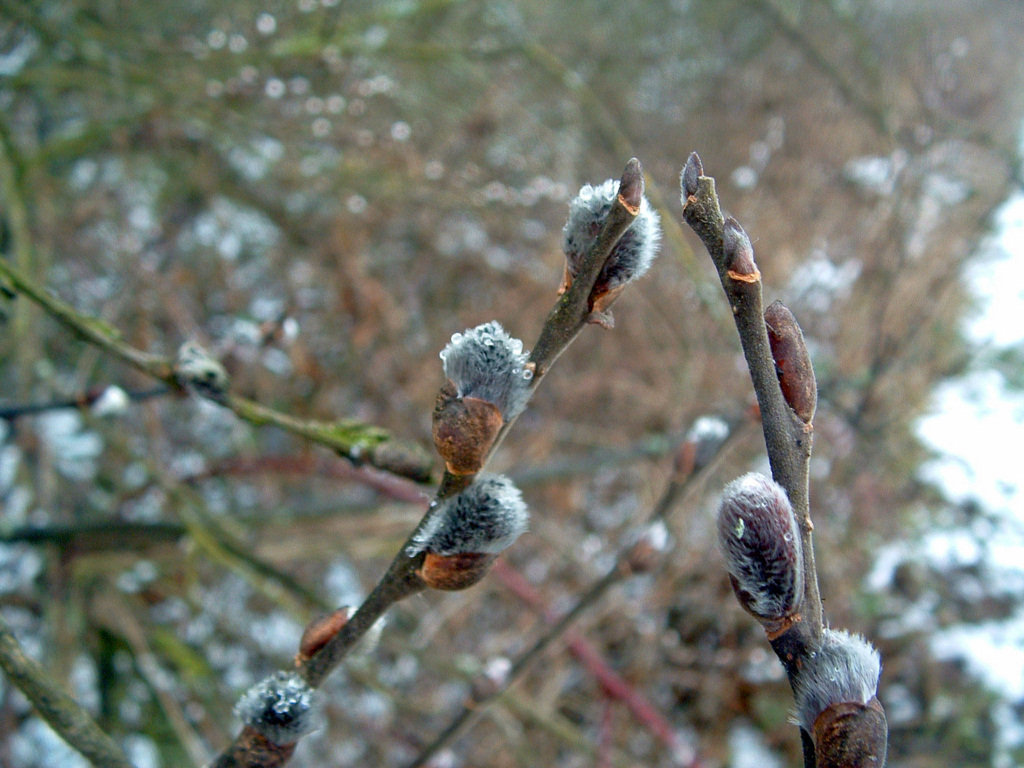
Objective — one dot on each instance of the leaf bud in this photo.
(758, 535)
(690, 176)
(320, 631)
(792, 361)
(635, 251)
(468, 531)
(197, 371)
(738, 252)
(836, 702)
(281, 707)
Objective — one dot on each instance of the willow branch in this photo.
(834, 675)
(402, 579)
(788, 438)
(566, 319)
(71, 722)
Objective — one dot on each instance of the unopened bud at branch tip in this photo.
(631, 186)
(690, 176)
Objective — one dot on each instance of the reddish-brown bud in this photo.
(253, 748)
(851, 735)
(454, 572)
(792, 361)
(319, 632)
(464, 429)
(739, 253)
(758, 535)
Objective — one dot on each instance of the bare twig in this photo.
(83, 400)
(612, 683)
(54, 705)
(117, 617)
(548, 719)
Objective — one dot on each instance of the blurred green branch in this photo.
(356, 441)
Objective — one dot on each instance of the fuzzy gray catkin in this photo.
(485, 518)
(199, 372)
(636, 249)
(485, 362)
(758, 535)
(845, 668)
(281, 707)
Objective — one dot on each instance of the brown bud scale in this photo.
(464, 430)
(601, 300)
(454, 572)
(744, 277)
(851, 735)
(792, 361)
(253, 748)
